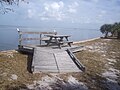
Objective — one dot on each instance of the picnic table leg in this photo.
(66, 38)
(69, 44)
(59, 45)
(61, 39)
(49, 41)
(58, 42)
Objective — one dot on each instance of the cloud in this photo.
(88, 21)
(102, 14)
(74, 11)
(95, 1)
(73, 7)
(31, 13)
(52, 10)
(44, 18)
(59, 10)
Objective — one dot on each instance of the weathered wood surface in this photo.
(65, 63)
(76, 61)
(31, 39)
(29, 32)
(52, 60)
(73, 48)
(40, 37)
(43, 61)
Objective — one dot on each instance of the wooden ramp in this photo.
(53, 60)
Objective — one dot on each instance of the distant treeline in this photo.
(111, 30)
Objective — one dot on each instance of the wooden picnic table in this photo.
(58, 40)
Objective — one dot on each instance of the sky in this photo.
(63, 13)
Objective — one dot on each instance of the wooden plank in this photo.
(49, 50)
(43, 39)
(38, 69)
(30, 39)
(29, 32)
(77, 62)
(37, 32)
(45, 67)
(65, 63)
(49, 60)
(44, 61)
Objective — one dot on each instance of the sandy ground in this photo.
(101, 57)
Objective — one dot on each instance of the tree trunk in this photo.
(118, 35)
(106, 34)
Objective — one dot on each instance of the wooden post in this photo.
(40, 38)
(20, 37)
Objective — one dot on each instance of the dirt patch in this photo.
(100, 58)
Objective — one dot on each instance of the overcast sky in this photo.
(63, 13)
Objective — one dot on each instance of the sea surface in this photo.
(9, 35)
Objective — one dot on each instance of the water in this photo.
(9, 35)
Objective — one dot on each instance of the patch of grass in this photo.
(15, 63)
(95, 63)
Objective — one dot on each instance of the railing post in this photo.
(55, 32)
(40, 38)
(20, 37)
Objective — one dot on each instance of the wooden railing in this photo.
(40, 38)
(76, 61)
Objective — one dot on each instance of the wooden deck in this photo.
(53, 60)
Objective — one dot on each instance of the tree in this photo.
(114, 29)
(105, 29)
(3, 3)
(10, 2)
(118, 30)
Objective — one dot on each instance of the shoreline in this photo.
(87, 40)
(76, 42)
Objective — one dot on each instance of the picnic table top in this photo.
(49, 35)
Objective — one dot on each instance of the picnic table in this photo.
(58, 40)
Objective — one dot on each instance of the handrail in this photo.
(38, 32)
(76, 61)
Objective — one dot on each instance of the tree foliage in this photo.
(114, 29)
(10, 2)
(105, 29)
(5, 3)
